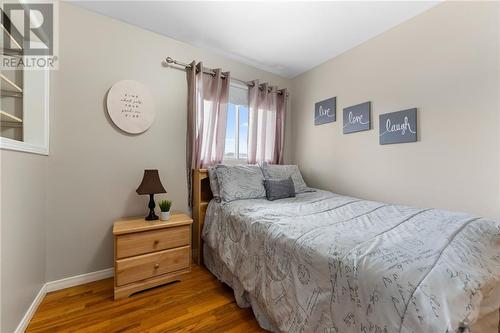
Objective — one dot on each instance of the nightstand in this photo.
(150, 253)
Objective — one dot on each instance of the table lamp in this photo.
(151, 185)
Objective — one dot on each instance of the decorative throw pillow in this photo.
(240, 182)
(275, 171)
(279, 188)
(214, 183)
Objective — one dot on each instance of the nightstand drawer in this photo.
(149, 265)
(150, 241)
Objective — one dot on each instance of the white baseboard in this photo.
(79, 279)
(58, 285)
(31, 311)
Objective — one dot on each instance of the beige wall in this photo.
(94, 168)
(445, 62)
(23, 199)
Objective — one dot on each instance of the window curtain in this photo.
(206, 119)
(266, 123)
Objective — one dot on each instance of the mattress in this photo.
(322, 262)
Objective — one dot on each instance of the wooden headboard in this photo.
(202, 194)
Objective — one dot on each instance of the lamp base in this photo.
(152, 216)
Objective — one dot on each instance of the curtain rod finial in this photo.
(169, 60)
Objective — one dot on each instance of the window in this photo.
(237, 124)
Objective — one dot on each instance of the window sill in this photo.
(234, 161)
(9, 144)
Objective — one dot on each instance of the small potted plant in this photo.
(165, 209)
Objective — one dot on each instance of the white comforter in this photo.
(322, 262)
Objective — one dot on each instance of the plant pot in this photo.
(164, 216)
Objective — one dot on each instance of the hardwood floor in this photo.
(197, 304)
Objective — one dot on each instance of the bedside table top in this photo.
(136, 224)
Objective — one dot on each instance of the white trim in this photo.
(31, 310)
(43, 147)
(79, 279)
(237, 131)
(9, 144)
(237, 84)
(58, 285)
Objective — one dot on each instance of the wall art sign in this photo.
(325, 111)
(357, 118)
(398, 127)
(130, 106)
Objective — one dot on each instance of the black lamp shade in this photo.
(151, 183)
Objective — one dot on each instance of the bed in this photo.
(323, 262)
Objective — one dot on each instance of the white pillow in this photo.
(240, 182)
(214, 183)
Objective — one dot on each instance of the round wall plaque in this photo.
(130, 106)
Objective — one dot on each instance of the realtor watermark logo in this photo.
(29, 35)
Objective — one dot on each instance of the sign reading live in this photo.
(398, 127)
(325, 111)
(130, 106)
(357, 118)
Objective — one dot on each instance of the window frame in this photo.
(236, 159)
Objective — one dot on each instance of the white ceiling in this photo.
(285, 38)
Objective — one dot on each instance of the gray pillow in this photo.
(274, 171)
(279, 188)
(214, 183)
(240, 182)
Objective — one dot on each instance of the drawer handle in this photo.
(157, 242)
(157, 266)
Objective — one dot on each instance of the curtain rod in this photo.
(170, 60)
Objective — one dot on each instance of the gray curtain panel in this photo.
(206, 119)
(266, 125)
